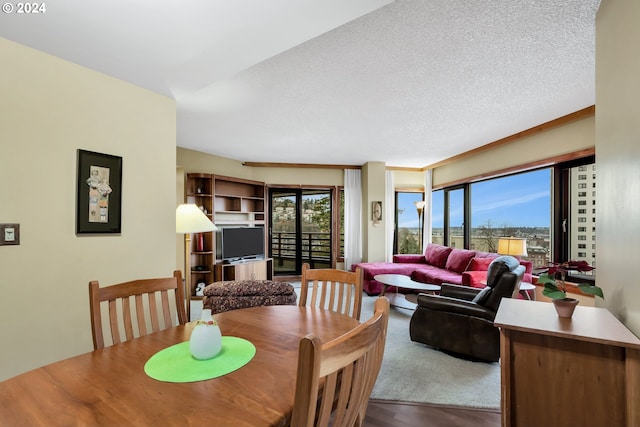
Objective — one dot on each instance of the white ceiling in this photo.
(405, 82)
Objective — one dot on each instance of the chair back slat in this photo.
(335, 379)
(127, 321)
(153, 310)
(127, 300)
(140, 320)
(166, 309)
(332, 289)
(113, 321)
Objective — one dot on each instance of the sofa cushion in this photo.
(459, 259)
(474, 279)
(409, 259)
(437, 255)
(436, 276)
(479, 264)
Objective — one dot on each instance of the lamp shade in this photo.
(420, 204)
(190, 219)
(513, 246)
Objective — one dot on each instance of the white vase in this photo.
(206, 339)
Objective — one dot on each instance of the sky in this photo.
(522, 200)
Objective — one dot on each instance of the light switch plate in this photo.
(9, 234)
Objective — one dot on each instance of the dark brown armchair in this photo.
(460, 319)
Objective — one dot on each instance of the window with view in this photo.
(513, 206)
(408, 225)
(524, 205)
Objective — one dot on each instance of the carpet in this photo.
(414, 372)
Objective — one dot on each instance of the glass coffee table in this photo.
(401, 281)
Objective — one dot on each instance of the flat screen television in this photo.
(240, 243)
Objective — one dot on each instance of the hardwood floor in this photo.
(383, 413)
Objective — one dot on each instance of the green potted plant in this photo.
(555, 286)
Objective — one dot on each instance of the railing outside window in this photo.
(316, 248)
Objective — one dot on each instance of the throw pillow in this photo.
(482, 296)
(436, 255)
(459, 260)
(500, 265)
(480, 264)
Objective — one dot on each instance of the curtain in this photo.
(352, 217)
(390, 213)
(428, 214)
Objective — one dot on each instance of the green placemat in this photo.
(176, 365)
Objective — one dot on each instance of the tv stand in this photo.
(243, 260)
(245, 269)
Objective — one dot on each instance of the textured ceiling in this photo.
(408, 83)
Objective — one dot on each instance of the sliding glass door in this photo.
(300, 230)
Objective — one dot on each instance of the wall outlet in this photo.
(9, 234)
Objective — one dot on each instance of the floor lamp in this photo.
(190, 219)
(420, 208)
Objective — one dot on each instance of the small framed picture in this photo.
(376, 211)
(99, 193)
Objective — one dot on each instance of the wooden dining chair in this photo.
(336, 290)
(131, 314)
(334, 380)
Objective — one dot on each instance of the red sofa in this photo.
(439, 264)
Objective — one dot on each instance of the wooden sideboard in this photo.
(583, 371)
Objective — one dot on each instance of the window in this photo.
(303, 228)
(437, 217)
(455, 235)
(571, 202)
(515, 205)
(408, 227)
(521, 204)
(449, 210)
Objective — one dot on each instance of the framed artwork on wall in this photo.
(99, 193)
(376, 211)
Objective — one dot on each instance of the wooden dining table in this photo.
(109, 387)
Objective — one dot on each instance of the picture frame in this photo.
(99, 193)
(376, 211)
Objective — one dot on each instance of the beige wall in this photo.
(373, 186)
(408, 180)
(564, 139)
(373, 189)
(617, 154)
(195, 161)
(49, 108)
